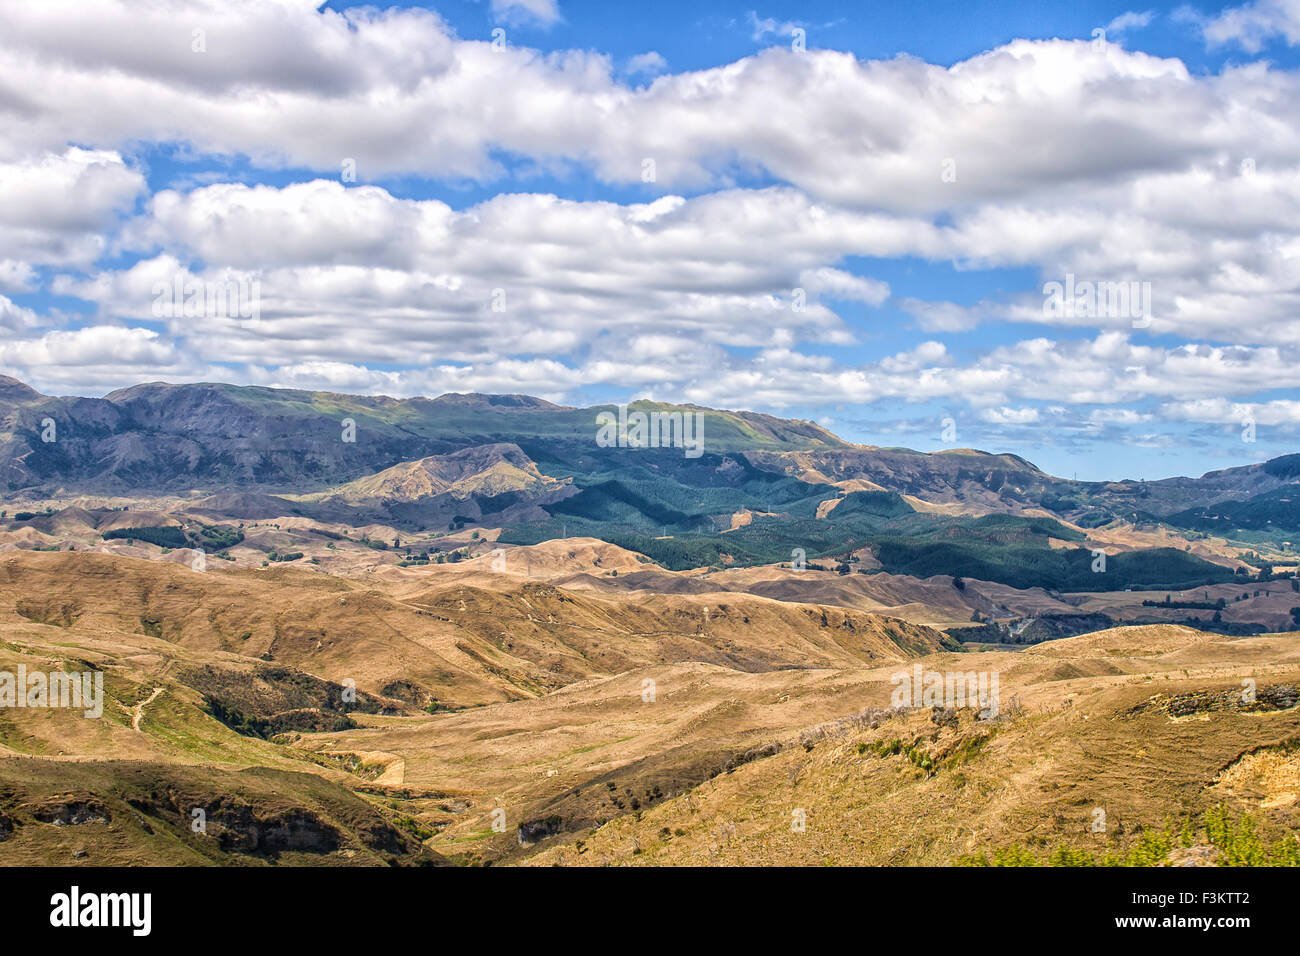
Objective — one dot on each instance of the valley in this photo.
(476, 636)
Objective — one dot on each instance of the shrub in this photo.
(169, 536)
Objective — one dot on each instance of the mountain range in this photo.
(762, 490)
(468, 629)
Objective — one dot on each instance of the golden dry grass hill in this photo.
(503, 716)
(233, 669)
(1119, 745)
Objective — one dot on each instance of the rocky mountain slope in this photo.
(159, 436)
(208, 436)
(760, 491)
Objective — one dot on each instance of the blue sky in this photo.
(693, 35)
(850, 215)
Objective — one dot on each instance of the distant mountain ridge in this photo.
(538, 470)
(208, 436)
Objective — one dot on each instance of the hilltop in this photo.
(1115, 743)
